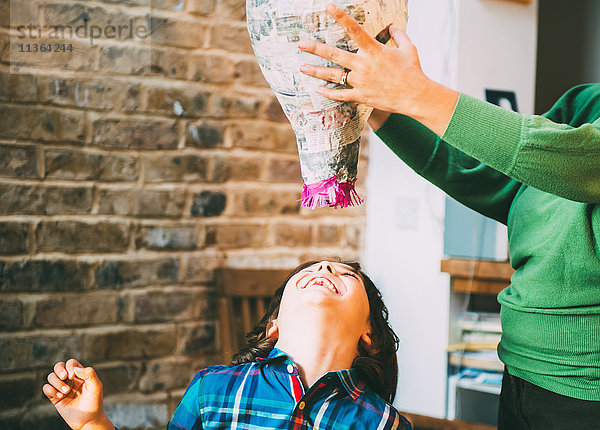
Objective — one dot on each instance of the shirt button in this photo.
(290, 368)
(301, 405)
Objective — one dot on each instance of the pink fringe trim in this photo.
(330, 192)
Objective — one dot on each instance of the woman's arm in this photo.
(461, 176)
(558, 158)
(76, 393)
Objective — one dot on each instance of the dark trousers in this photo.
(524, 406)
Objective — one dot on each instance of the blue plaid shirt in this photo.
(268, 394)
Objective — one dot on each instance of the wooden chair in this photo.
(243, 296)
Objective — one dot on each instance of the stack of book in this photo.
(474, 359)
(476, 352)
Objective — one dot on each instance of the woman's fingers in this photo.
(332, 74)
(58, 383)
(346, 95)
(353, 28)
(331, 53)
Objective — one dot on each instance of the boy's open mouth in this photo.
(323, 282)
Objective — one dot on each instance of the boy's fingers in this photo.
(71, 363)
(90, 377)
(57, 383)
(356, 32)
(52, 393)
(60, 370)
(87, 373)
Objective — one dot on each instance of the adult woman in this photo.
(540, 175)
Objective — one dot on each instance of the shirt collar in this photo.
(275, 353)
(348, 378)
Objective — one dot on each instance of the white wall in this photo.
(404, 240)
(497, 45)
(467, 45)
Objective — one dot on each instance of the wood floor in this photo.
(421, 422)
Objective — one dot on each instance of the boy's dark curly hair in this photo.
(379, 369)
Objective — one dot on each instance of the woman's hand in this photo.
(386, 78)
(76, 393)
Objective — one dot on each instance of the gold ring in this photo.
(344, 79)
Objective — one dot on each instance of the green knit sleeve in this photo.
(558, 158)
(461, 176)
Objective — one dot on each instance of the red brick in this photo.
(284, 170)
(12, 315)
(18, 161)
(236, 235)
(201, 7)
(119, 377)
(142, 202)
(126, 60)
(74, 165)
(38, 350)
(178, 237)
(263, 135)
(238, 168)
(23, 122)
(135, 134)
(136, 273)
(168, 63)
(18, 87)
(233, 38)
(292, 235)
(205, 134)
(176, 168)
(197, 338)
(163, 306)
(177, 102)
(77, 310)
(208, 204)
(181, 34)
(34, 199)
(234, 105)
(13, 238)
(167, 375)
(128, 343)
(247, 72)
(43, 275)
(329, 235)
(212, 68)
(235, 9)
(267, 202)
(98, 93)
(274, 112)
(74, 237)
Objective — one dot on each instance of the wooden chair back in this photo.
(243, 296)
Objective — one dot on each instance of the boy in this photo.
(323, 357)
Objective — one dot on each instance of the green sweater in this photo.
(539, 175)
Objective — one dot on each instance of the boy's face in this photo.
(326, 289)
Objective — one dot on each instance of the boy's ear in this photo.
(273, 330)
(366, 341)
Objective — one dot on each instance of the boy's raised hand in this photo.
(76, 393)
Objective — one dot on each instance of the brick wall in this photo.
(129, 171)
